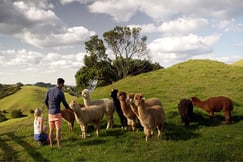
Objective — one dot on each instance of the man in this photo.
(53, 99)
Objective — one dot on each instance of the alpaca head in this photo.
(114, 93)
(121, 95)
(74, 105)
(139, 100)
(195, 100)
(85, 93)
(130, 98)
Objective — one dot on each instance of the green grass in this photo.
(238, 63)
(205, 140)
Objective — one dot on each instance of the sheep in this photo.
(216, 104)
(108, 106)
(151, 117)
(185, 108)
(126, 109)
(89, 114)
(123, 119)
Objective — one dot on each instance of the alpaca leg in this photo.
(227, 116)
(133, 125)
(146, 132)
(110, 121)
(82, 131)
(97, 127)
(211, 114)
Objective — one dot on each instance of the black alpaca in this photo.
(123, 119)
(185, 108)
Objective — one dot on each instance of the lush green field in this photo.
(205, 140)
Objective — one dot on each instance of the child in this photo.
(40, 134)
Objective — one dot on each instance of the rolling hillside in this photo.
(29, 97)
(238, 63)
(205, 140)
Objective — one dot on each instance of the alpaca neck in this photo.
(134, 109)
(123, 106)
(200, 104)
(142, 110)
(87, 101)
(78, 116)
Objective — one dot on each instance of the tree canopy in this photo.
(128, 56)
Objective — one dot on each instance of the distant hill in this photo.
(238, 63)
(27, 98)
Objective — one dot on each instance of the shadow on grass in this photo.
(216, 121)
(178, 132)
(9, 152)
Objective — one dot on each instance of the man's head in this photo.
(60, 82)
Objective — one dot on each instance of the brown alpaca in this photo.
(126, 109)
(216, 104)
(69, 117)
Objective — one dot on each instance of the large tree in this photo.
(126, 44)
(128, 57)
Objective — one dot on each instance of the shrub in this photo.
(32, 111)
(2, 117)
(16, 114)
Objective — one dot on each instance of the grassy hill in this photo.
(238, 63)
(206, 140)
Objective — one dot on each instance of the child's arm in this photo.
(42, 125)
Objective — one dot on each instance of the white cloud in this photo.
(44, 29)
(181, 47)
(123, 10)
(120, 10)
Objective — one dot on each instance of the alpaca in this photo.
(69, 117)
(126, 109)
(216, 104)
(151, 117)
(185, 108)
(85, 115)
(149, 102)
(108, 106)
(123, 119)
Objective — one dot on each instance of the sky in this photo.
(42, 40)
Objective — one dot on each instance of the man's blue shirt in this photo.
(53, 99)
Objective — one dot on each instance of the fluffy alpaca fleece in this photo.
(185, 108)
(69, 117)
(123, 119)
(126, 109)
(216, 104)
(151, 117)
(149, 102)
(109, 106)
(85, 115)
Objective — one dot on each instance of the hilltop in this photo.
(238, 63)
(27, 98)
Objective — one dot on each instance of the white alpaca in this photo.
(86, 115)
(107, 103)
(150, 117)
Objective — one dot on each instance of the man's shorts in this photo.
(55, 121)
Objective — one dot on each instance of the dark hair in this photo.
(60, 81)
